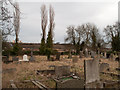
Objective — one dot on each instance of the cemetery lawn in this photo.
(20, 72)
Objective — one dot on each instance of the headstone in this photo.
(25, 58)
(15, 58)
(32, 57)
(93, 54)
(103, 67)
(111, 57)
(62, 71)
(71, 84)
(91, 68)
(86, 52)
(81, 54)
(58, 56)
(75, 59)
(105, 54)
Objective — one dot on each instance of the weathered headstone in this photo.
(32, 57)
(91, 68)
(72, 83)
(81, 54)
(62, 71)
(86, 52)
(58, 56)
(111, 57)
(103, 67)
(93, 54)
(104, 54)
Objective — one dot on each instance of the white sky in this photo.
(66, 13)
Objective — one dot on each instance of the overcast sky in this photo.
(66, 13)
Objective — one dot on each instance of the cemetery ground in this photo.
(22, 73)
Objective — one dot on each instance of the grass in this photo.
(26, 71)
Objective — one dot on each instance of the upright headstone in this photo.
(62, 71)
(86, 52)
(58, 56)
(81, 54)
(111, 57)
(91, 68)
(25, 58)
(105, 54)
(32, 57)
(93, 54)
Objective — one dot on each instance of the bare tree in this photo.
(17, 21)
(6, 20)
(71, 36)
(51, 27)
(112, 34)
(43, 21)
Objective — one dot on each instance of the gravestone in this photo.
(93, 54)
(81, 54)
(62, 71)
(25, 58)
(58, 56)
(15, 58)
(103, 67)
(91, 68)
(86, 52)
(32, 57)
(111, 57)
(75, 59)
(71, 84)
(105, 54)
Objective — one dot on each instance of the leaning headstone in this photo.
(91, 68)
(58, 56)
(70, 84)
(62, 71)
(104, 67)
